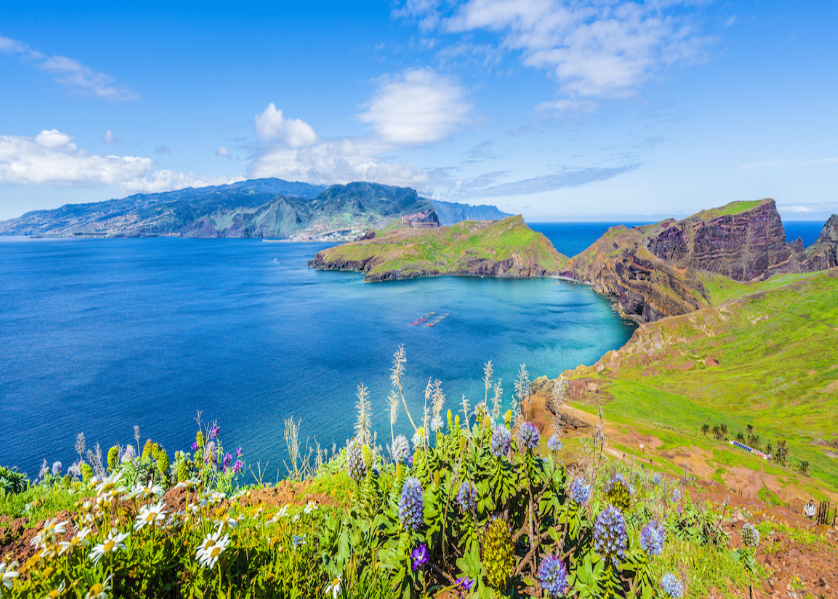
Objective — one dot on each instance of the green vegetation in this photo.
(761, 357)
(468, 247)
(477, 511)
(728, 210)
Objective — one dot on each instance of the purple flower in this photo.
(228, 459)
(749, 535)
(652, 538)
(209, 454)
(671, 586)
(130, 454)
(355, 461)
(528, 436)
(554, 443)
(552, 575)
(238, 466)
(464, 584)
(467, 497)
(610, 539)
(214, 432)
(656, 480)
(618, 479)
(500, 441)
(580, 491)
(400, 449)
(239, 452)
(411, 504)
(195, 446)
(56, 468)
(420, 557)
(676, 495)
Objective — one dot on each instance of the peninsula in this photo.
(506, 248)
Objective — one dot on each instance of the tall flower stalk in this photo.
(363, 425)
(396, 372)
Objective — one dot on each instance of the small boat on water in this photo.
(431, 313)
(415, 324)
(429, 324)
(420, 320)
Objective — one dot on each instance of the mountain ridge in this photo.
(271, 208)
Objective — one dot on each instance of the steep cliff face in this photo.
(741, 241)
(823, 254)
(645, 287)
(654, 271)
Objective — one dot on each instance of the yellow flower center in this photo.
(109, 544)
(215, 552)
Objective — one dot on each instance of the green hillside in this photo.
(765, 355)
(502, 248)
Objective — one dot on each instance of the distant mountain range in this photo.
(451, 212)
(269, 208)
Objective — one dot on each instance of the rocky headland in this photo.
(660, 270)
(506, 249)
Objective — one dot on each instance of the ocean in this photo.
(97, 336)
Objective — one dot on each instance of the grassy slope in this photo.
(777, 346)
(446, 249)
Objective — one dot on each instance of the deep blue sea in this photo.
(97, 336)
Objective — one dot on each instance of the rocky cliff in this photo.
(505, 248)
(654, 271)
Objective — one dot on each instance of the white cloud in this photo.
(167, 180)
(51, 158)
(10, 46)
(110, 138)
(53, 139)
(223, 152)
(796, 209)
(272, 126)
(595, 48)
(418, 106)
(335, 161)
(70, 72)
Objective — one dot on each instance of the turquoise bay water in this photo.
(97, 336)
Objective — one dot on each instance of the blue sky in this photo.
(560, 110)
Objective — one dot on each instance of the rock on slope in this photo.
(654, 271)
(507, 248)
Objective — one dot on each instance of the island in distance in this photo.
(266, 208)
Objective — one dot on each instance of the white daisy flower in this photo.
(226, 521)
(8, 573)
(133, 494)
(109, 483)
(333, 588)
(150, 515)
(56, 593)
(282, 513)
(210, 550)
(48, 532)
(112, 544)
(77, 541)
(310, 507)
(100, 590)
